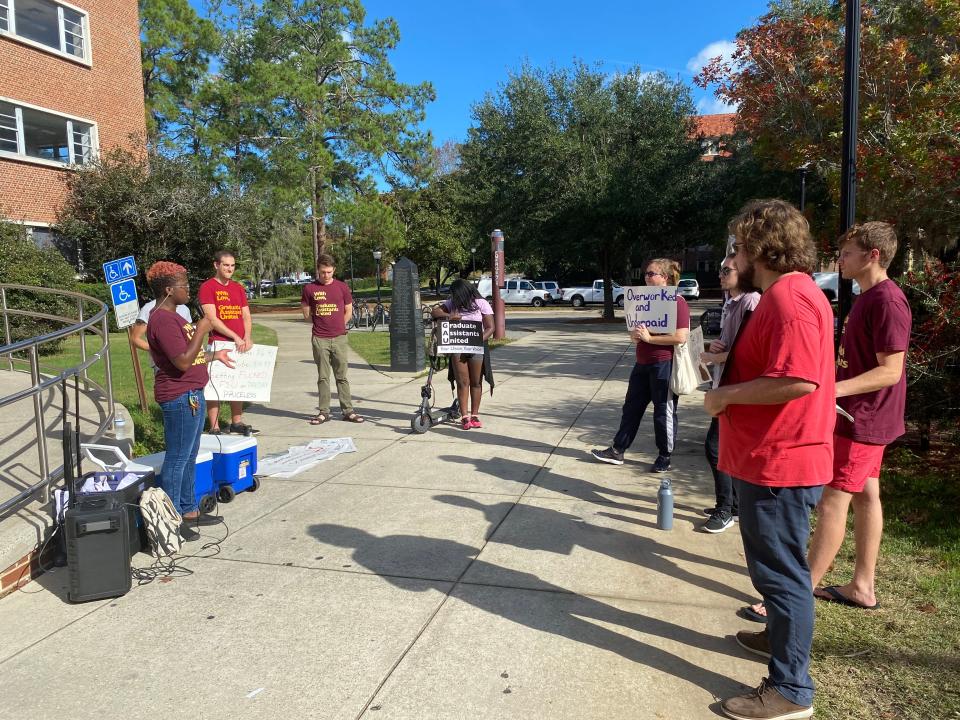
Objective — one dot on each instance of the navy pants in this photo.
(649, 383)
(722, 483)
(775, 526)
(182, 426)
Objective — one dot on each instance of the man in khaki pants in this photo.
(328, 304)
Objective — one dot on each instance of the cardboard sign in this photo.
(651, 306)
(251, 380)
(465, 336)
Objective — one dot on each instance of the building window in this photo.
(53, 25)
(30, 133)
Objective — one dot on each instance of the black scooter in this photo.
(427, 415)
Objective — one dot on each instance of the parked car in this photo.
(304, 280)
(580, 296)
(550, 286)
(266, 284)
(689, 289)
(829, 282)
(710, 320)
(286, 280)
(518, 291)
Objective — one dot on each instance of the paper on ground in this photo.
(299, 458)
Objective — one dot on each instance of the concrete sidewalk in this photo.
(493, 573)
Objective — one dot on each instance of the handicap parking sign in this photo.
(125, 303)
(123, 292)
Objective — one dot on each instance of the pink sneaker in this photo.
(475, 422)
(465, 422)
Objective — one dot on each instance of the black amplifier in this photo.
(98, 550)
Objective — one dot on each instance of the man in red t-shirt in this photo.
(328, 304)
(224, 304)
(776, 409)
(872, 388)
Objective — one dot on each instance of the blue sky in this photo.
(466, 49)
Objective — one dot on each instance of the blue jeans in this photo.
(182, 426)
(775, 526)
(649, 383)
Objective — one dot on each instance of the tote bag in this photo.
(685, 373)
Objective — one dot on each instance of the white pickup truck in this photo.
(580, 296)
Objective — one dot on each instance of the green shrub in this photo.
(23, 263)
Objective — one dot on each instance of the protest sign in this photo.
(463, 336)
(250, 380)
(651, 306)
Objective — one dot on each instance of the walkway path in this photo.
(494, 573)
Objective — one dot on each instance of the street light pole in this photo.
(803, 170)
(848, 160)
(473, 260)
(376, 256)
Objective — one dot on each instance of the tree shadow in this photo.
(553, 610)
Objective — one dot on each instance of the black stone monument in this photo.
(406, 324)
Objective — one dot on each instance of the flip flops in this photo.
(748, 613)
(834, 595)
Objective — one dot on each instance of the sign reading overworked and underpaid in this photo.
(651, 306)
(252, 378)
(463, 336)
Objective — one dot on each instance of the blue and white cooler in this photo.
(234, 464)
(205, 490)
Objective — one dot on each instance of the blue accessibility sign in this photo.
(117, 270)
(123, 292)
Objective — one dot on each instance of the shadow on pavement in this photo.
(565, 614)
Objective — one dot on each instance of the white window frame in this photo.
(21, 154)
(11, 32)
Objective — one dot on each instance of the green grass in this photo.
(149, 425)
(900, 661)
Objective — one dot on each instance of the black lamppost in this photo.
(350, 250)
(473, 260)
(376, 256)
(803, 170)
(848, 159)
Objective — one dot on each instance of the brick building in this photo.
(713, 131)
(70, 88)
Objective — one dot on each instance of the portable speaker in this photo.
(98, 550)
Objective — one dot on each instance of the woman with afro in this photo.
(177, 350)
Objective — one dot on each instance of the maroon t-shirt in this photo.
(327, 306)
(647, 353)
(168, 336)
(229, 300)
(879, 322)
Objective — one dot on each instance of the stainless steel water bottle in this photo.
(665, 505)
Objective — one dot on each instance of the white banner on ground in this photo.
(251, 380)
(652, 306)
(300, 458)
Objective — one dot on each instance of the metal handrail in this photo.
(42, 381)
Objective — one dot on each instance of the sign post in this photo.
(498, 280)
(120, 276)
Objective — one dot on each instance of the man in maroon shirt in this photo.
(776, 409)
(872, 388)
(328, 304)
(224, 304)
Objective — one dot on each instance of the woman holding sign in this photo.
(465, 303)
(177, 350)
(650, 379)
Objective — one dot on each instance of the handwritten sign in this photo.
(465, 336)
(651, 306)
(250, 380)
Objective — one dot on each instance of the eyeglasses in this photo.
(726, 271)
(652, 273)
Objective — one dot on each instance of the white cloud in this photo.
(714, 106)
(723, 48)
